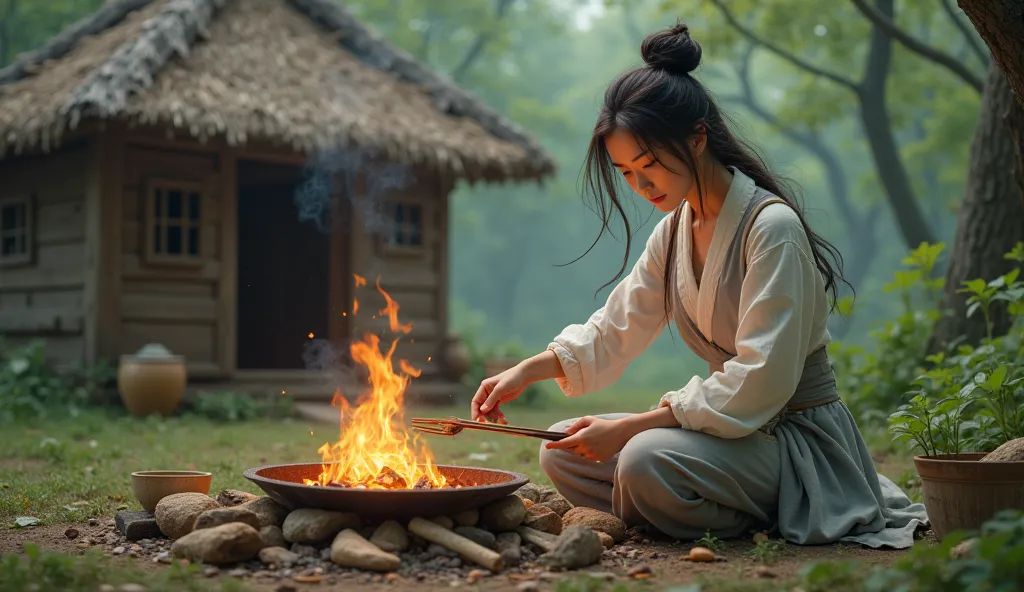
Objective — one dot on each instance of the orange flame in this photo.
(374, 451)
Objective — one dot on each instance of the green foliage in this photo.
(992, 563)
(875, 382)
(232, 407)
(708, 541)
(974, 398)
(768, 551)
(31, 389)
(49, 570)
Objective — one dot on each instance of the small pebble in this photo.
(639, 572)
(118, 551)
(94, 522)
(132, 588)
(238, 572)
(211, 572)
(528, 587)
(71, 534)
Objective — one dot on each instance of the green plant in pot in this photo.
(967, 404)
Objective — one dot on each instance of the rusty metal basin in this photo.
(284, 483)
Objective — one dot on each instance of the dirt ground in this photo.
(661, 556)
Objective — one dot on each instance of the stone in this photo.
(131, 587)
(391, 537)
(443, 521)
(351, 550)
(137, 525)
(1009, 451)
(597, 520)
(530, 491)
(964, 549)
(272, 536)
(227, 543)
(503, 515)
(606, 539)
(308, 525)
(233, 497)
(477, 535)
(270, 512)
(218, 516)
(176, 514)
(510, 546)
(277, 556)
(544, 519)
(467, 517)
(530, 586)
(578, 547)
(557, 503)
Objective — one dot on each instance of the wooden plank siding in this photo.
(188, 308)
(44, 296)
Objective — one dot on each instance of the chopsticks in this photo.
(453, 425)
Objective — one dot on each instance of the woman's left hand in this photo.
(595, 438)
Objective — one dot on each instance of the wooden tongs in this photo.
(454, 425)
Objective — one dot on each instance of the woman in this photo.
(765, 439)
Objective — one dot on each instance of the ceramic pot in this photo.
(456, 357)
(961, 493)
(151, 381)
(150, 487)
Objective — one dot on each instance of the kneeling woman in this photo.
(763, 441)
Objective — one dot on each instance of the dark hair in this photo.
(661, 104)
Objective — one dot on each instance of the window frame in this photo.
(28, 257)
(426, 235)
(150, 254)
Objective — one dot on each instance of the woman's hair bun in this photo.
(672, 50)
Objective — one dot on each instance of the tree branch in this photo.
(782, 53)
(922, 49)
(969, 36)
(477, 47)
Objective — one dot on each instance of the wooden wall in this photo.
(45, 297)
(417, 280)
(189, 309)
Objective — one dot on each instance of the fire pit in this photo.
(467, 488)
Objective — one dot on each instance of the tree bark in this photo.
(991, 219)
(1000, 23)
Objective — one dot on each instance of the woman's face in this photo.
(662, 187)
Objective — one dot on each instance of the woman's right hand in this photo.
(498, 389)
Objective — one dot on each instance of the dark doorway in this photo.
(283, 270)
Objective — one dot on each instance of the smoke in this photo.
(348, 173)
(365, 181)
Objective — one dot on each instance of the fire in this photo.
(374, 451)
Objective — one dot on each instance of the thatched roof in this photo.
(302, 72)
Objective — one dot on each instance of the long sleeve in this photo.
(777, 322)
(594, 355)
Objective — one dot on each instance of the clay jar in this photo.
(151, 381)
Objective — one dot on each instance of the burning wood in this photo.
(389, 479)
(374, 451)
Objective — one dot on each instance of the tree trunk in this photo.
(1000, 23)
(991, 219)
(879, 131)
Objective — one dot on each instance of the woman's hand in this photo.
(494, 391)
(595, 438)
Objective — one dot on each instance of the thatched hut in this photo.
(211, 174)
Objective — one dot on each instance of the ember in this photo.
(373, 450)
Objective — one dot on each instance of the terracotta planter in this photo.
(151, 381)
(961, 493)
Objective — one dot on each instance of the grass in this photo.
(67, 470)
(70, 469)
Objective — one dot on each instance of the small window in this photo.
(16, 231)
(174, 222)
(407, 225)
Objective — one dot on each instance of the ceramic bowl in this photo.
(152, 486)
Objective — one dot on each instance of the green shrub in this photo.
(972, 400)
(232, 407)
(875, 381)
(31, 389)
